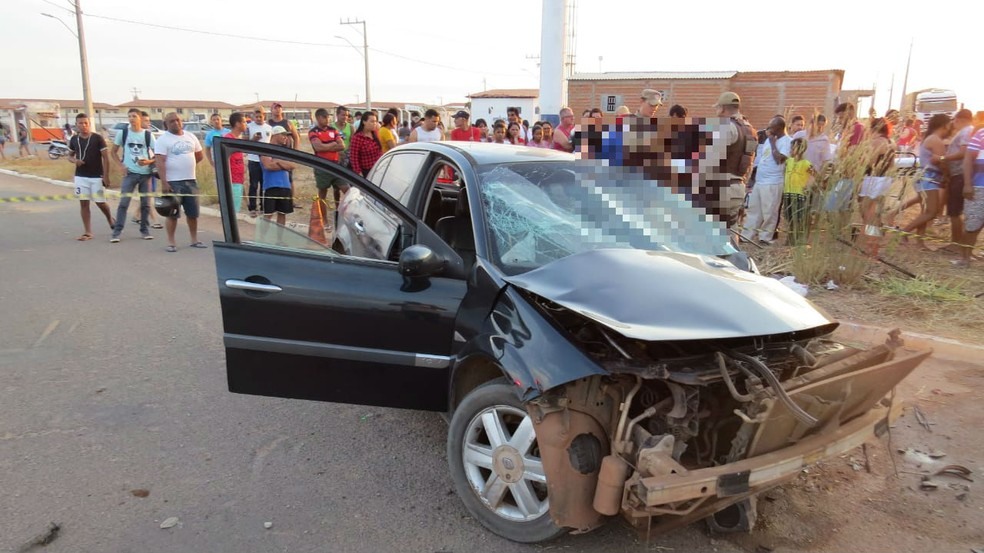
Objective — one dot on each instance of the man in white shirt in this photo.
(176, 155)
(766, 196)
(428, 130)
(257, 130)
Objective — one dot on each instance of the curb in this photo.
(943, 348)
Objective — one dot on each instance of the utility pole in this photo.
(891, 92)
(365, 54)
(135, 93)
(905, 82)
(86, 91)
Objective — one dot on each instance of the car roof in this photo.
(483, 153)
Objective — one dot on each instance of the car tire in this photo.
(503, 486)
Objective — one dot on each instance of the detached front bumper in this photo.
(684, 493)
(848, 397)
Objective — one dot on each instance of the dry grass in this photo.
(939, 301)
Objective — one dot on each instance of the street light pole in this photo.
(365, 55)
(86, 91)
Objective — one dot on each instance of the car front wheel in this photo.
(496, 466)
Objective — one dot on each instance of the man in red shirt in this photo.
(464, 131)
(237, 165)
(327, 141)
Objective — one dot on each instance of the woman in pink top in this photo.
(538, 140)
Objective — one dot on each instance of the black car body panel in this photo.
(658, 296)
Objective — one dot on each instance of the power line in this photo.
(294, 42)
(59, 6)
(212, 33)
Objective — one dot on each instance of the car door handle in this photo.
(252, 286)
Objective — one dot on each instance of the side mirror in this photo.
(419, 261)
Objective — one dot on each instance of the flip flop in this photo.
(171, 249)
(198, 245)
(84, 237)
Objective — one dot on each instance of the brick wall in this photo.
(763, 94)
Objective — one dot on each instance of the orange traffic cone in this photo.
(316, 225)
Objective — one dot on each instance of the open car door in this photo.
(327, 315)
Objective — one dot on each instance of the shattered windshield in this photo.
(538, 212)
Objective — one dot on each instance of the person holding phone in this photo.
(258, 130)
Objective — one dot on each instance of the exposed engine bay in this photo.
(681, 430)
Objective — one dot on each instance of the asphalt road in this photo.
(113, 380)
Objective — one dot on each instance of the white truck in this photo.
(937, 100)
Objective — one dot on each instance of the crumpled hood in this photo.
(658, 296)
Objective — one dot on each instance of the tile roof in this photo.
(508, 93)
(176, 104)
(289, 104)
(653, 75)
(14, 103)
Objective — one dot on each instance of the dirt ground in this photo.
(841, 506)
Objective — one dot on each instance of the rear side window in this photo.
(401, 174)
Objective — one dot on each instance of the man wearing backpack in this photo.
(136, 143)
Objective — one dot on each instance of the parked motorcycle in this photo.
(58, 149)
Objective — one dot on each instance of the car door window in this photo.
(377, 172)
(402, 174)
(287, 213)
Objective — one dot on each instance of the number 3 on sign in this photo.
(78, 190)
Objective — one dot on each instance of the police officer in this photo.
(650, 100)
(742, 143)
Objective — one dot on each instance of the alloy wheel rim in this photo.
(502, 463)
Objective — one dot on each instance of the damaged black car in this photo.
(600, 346)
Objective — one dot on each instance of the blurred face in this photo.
(514, 131)
(322, 120)
(566, 117)
(460, 122)
(134, 119)
(83, 125)
(547, 131)
(277, 112)
(647, 109)
(499, 134)
(216, 121)
(371, 124)
(145, 121)
(341, 117)
(537, 134)
(174, 124)
(259, 116)
(430, 123)
(797, 126)
(513, 117)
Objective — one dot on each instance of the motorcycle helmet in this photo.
(166, 205)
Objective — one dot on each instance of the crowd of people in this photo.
(803, 170)
(777, 179)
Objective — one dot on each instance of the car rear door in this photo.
(303, 320)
